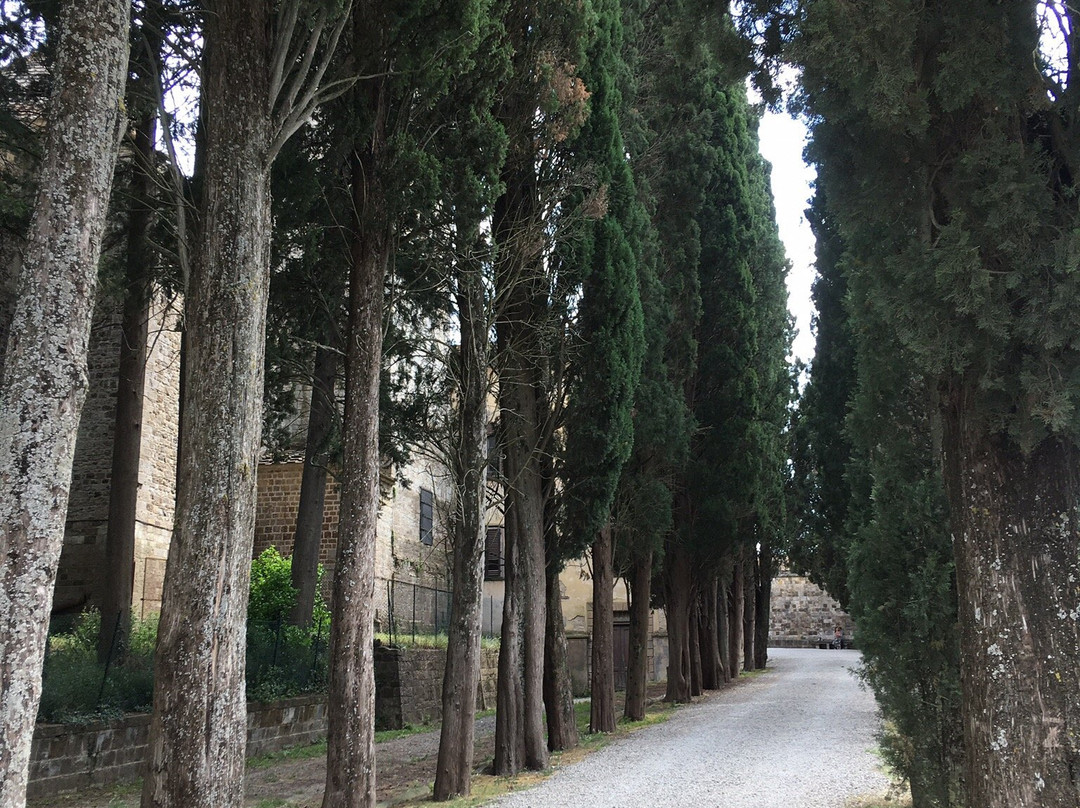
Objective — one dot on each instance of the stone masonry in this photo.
(802, 614)
(83, 556)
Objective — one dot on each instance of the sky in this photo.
(782, 140)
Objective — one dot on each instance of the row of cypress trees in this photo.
(574, 192)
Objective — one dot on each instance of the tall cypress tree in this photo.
(949, 155)
(604, 255)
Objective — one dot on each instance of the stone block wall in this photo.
(408, 685)
(64, 757)
(82, 558)
(802, 613)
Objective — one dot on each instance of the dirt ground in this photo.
(405, 772)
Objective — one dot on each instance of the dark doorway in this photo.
(620, 643)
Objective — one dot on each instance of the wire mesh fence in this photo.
(405, 611)
(79, 683)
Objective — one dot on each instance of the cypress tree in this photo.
(948, 153)
(599, 426)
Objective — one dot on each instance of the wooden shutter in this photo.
(494, 565)
(427, 516)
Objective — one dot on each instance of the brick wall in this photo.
(408, 685)
(801, 613)
(399, 553)
(66, 757)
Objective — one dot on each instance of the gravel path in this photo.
(798, 737)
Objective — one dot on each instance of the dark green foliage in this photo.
(272, 594)
(604, 253)
(823, 447)
(76, 688)
(903, 599)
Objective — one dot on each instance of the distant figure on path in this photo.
(838, 637)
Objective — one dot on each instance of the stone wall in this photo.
(399, 554)
(66, 757)
(82, 558)
(802, 613)
(408, 685)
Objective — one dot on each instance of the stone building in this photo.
(802, 615)
(82, 560)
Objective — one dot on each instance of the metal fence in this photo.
(282, 660)
(405, 610)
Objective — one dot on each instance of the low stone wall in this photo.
(408, 684)
(407, 691)
(801, 613)
(66, 756)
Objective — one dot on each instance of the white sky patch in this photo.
(782, 140)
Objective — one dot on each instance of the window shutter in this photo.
(494, 564)
(427, 516)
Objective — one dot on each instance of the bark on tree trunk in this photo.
(461, 678)
(127, 428)
(350, 752)
(749, 608)
(676, 600)
(735, 618)
(199, 727)
(524, 519)
(509, 703)
(43, 386)
(558, 694)
(763, 607)
(723, 624)
(307, 539)
(602, 706)
(712, 675)
(520, 324)
(694, 643)
(1016, 529)
(637, 664)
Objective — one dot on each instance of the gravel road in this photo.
(798, 737)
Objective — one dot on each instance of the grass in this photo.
(890, 800)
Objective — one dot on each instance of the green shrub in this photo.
(272, 593)
(76, 688)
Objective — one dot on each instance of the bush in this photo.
(282, 660)
(76, 688)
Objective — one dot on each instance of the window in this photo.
(427, 516)
(494, 563)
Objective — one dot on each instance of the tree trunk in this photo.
(524, 520)
(199, 726)
(763, 607)
(735, 618)
(694, 643)
(723, 624)
(307, 539)
(130, 385)
(461, 678)
(602, 709)
(712, 673)
(43, 386)
(509, 703)
(1015, 538)
(520, 283)
(558, 694)
(350, 754)
(637, 673)
(677, 607)
(749, 607)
